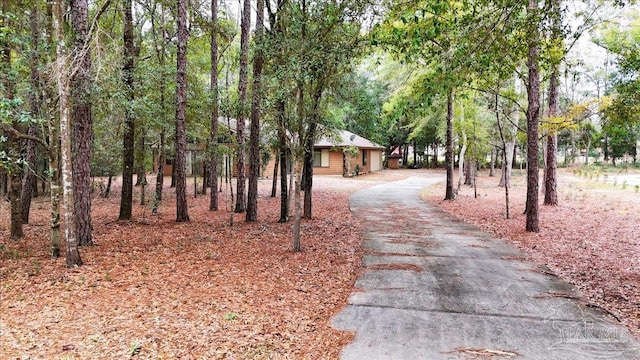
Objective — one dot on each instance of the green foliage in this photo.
(622, 115)
(230, 316)
(357, 103)
(622, 139)
(351, 150)
(134, 348)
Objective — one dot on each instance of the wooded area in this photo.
(102, 102)
(93, 91)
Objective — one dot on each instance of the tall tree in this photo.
(31, 157)
(243, 80)
(14, 168)
(159, 34)
(213, 136)
(256, 98)
(182, 214)
(126, 200)
(277, 65)
(81, 88)
(557, 51)
(533, 117)
(449, 192)
(62, 79)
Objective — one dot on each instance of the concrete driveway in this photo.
(436, 288)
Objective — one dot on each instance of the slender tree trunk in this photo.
(15, 144)
(242, 91)
(182, 214)
(492, 163)
(461, 161)
(415, 154)
(469, 172)
(274, 183)
(449, 154)
(550, 180)
(213, 136)
(107, 189)
(586, 156)
(28, 177)
(31, 156)
(162, 153)
(53, 127)
(160, 174)
(308, 167)
(62, 76)
(533, 115)
(298, 203)
(509, 155)
(55, 188)
(81, 84)
(506, 171)
(126, 201)
(284, 189)
(140, 153)
(256, 98)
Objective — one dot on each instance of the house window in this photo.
(317, 158)
(321, 158)
(364, 157)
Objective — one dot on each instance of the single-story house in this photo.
(333, 156)
(337, 155)
(345, 154)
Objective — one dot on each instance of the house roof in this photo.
(347, 138)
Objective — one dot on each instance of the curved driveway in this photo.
(436, 288)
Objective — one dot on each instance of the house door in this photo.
(375, 160)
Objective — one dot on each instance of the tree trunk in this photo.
(415, 154)
(15, 145)
(509, 154)
(182, 214)
(550, 179)
(297, 220)
(307, 176)
(107, 189)
(242, 94)
(62, 76)
(160, 174)
(31, 156)
(256, 98)
(274, 182)
(449, 153)
(533, 114)
(284, 189)
(586, 156)
(140, 153)
(469, 171)
(213, 136)
(53, 127)
(81, 84)
(28, 176)
(461, 161)
(506, 170)
(309, 140)
(492, 163)
(126, 200)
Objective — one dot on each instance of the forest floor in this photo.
(152, 288)
(591, 239)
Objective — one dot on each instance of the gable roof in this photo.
(347, 138)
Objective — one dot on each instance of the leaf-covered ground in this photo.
(592, 239)
(156, 289)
